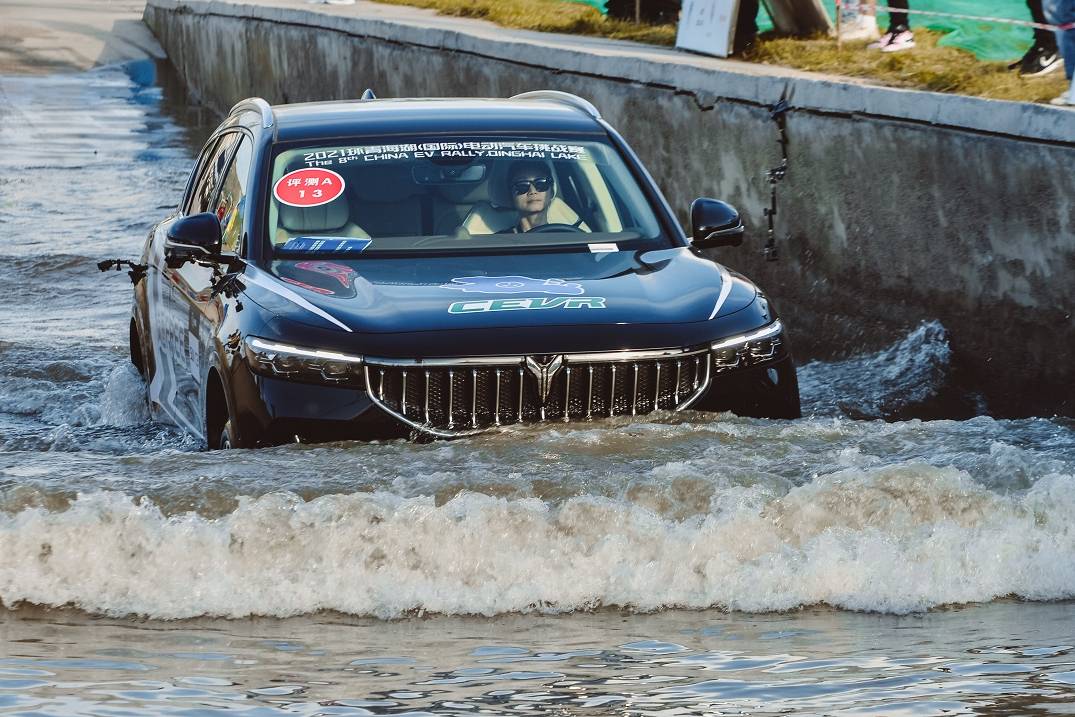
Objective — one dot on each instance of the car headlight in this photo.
(271, 358)
(744, 350)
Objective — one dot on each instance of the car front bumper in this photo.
(444, 398)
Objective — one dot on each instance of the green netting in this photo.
(599, 4)
(989, 41)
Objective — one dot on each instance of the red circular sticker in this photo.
(308, 187)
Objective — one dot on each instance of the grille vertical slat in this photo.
(426, 411)
(474, 398)
(496, 408)
(567, 394)
(634, 392)
(612, 396)
(522, 384)
(451, 399)
(678, 378)
(657, 388)
(589, 394)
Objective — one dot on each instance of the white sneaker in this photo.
(1065, 100)
(899, 41)
(861, 27)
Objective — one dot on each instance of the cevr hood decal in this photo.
(530, 304)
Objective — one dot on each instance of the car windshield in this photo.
(465, 194)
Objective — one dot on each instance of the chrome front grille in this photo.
(446, 397)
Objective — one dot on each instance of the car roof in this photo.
(379, 117)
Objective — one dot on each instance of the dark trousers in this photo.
(746, 28)
(1042, 38)
(898, 20)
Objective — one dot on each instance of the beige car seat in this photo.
(454, 204)
(332, 219)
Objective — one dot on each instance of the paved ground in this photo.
(43, 36)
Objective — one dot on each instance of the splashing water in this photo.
(895, 539)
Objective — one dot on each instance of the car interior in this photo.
(392, 199)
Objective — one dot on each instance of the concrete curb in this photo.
(706, 79)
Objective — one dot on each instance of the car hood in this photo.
(488, 292)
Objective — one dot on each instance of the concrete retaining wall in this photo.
(902, 206)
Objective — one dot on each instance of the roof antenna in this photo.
(368, 95)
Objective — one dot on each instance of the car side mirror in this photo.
(190, 238)
(715, 223)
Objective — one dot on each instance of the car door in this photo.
(167, 328)
(220, 189)
(169, 318)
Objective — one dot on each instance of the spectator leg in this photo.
(1067, 48)
(897, 20)
(1062, 12)
(746, 28)
(1045, 39)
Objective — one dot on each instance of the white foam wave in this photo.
(895, 539)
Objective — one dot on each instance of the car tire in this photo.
(774, 399)
(227, 438)
(762, 392)
(135, 345)
(784, 404)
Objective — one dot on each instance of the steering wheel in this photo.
(542, 228)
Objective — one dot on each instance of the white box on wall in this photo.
(708, 26)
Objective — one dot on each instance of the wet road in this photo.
(535, 571)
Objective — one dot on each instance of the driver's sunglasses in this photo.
(522, 186)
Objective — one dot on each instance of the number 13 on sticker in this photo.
(310, 187)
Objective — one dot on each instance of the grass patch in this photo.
(926, 67)
(548, 16)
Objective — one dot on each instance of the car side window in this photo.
(231, 198)
(196, 173)
(210, 174)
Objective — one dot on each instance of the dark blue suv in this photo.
(437, 268)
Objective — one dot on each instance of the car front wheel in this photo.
(226, 441)
(761, 392)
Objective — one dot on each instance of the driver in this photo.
(532, 189)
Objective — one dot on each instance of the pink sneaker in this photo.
(881, 42)
(899, 41)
